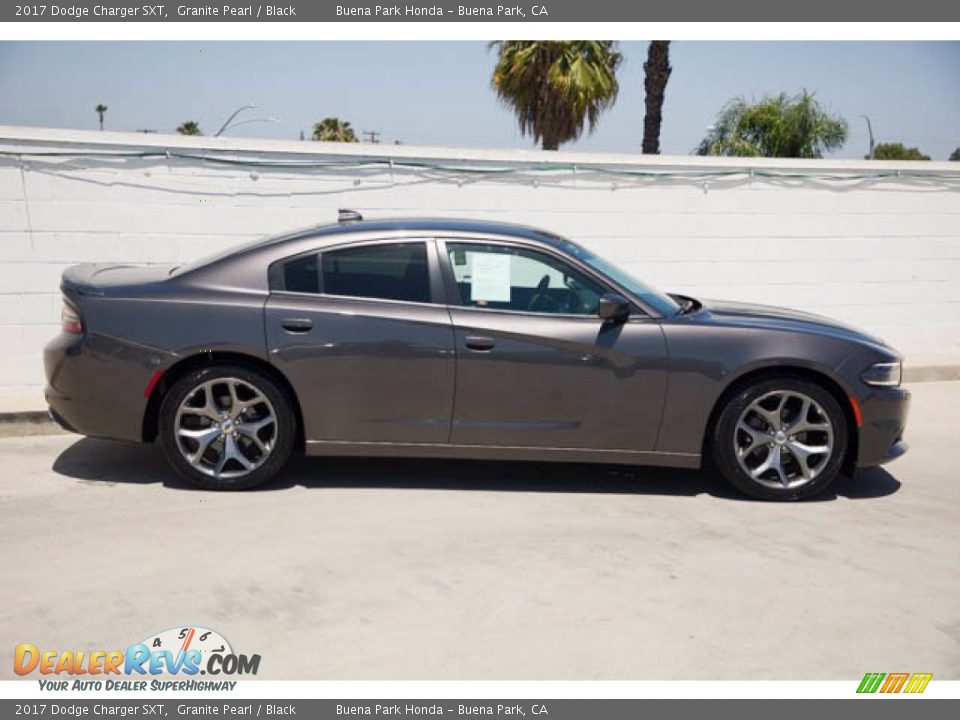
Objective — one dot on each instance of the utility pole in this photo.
(371, 136)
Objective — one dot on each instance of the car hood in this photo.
(771, 317)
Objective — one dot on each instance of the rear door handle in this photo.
(475, 342)
(297, 325)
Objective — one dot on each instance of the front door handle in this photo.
(482, 344)
(297, 325)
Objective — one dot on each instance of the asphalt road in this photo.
(359, 569)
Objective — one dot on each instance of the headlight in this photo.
(886, 374)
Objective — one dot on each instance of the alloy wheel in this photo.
(783, 439)
(226, 427)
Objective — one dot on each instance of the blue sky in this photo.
(438, 93)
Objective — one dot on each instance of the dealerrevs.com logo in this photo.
(184, 651)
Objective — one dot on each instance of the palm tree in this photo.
(333, 129)
(189, 127)
(556, 87)
(656, 71)
(778, 126)
(101, 110)
(955, 155)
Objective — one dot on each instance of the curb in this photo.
(27, 423)
(28, 417)
(931, 373)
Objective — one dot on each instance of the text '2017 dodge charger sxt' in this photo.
(440, 338)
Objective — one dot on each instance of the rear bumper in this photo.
(95, 385)
(59, 419)
(884, 413)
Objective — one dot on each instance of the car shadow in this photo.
(108, 462)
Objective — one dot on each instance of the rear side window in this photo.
(300, 275)
(396, 271)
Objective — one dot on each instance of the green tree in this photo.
(777, 126)
(101, 110)
(955, 155)
(333, 129)
(190, 127)
(656, 73)
(896, 151)
(556, 87)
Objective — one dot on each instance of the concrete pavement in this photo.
(356, 569)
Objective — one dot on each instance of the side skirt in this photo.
(501, 452)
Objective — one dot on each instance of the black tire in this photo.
(281, 443)
(724, 436)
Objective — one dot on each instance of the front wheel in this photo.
(226, 427)
(781, 439)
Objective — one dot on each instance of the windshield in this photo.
(659, 301)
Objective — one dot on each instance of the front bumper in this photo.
(884, 412)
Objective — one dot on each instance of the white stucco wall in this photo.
(882, 253)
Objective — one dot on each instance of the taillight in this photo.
(70, 321)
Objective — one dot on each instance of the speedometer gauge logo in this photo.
(184, 639)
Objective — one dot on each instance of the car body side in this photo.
(142, 331)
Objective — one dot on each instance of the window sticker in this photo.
(490, 279)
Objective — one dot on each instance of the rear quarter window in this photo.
(301, 275)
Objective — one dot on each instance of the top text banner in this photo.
(442, 11)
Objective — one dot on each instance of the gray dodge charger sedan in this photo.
(441, 338)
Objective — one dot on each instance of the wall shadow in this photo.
(108, 462)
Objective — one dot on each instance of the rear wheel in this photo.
(226, 427)
(781, 439)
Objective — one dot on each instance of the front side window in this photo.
(396, 271)
(501, 277)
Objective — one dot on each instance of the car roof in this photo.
(434, 225)
(275, 248)
(332, 231)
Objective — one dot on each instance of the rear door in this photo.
(363, 335)
(536, 367)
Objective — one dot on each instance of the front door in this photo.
(536, 367)
(369, 353)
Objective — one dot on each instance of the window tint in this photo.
(499, 277)
(300, 275)
(389, 272)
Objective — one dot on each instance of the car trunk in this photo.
(100, 278)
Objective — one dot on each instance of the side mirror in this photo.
(613, 308)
